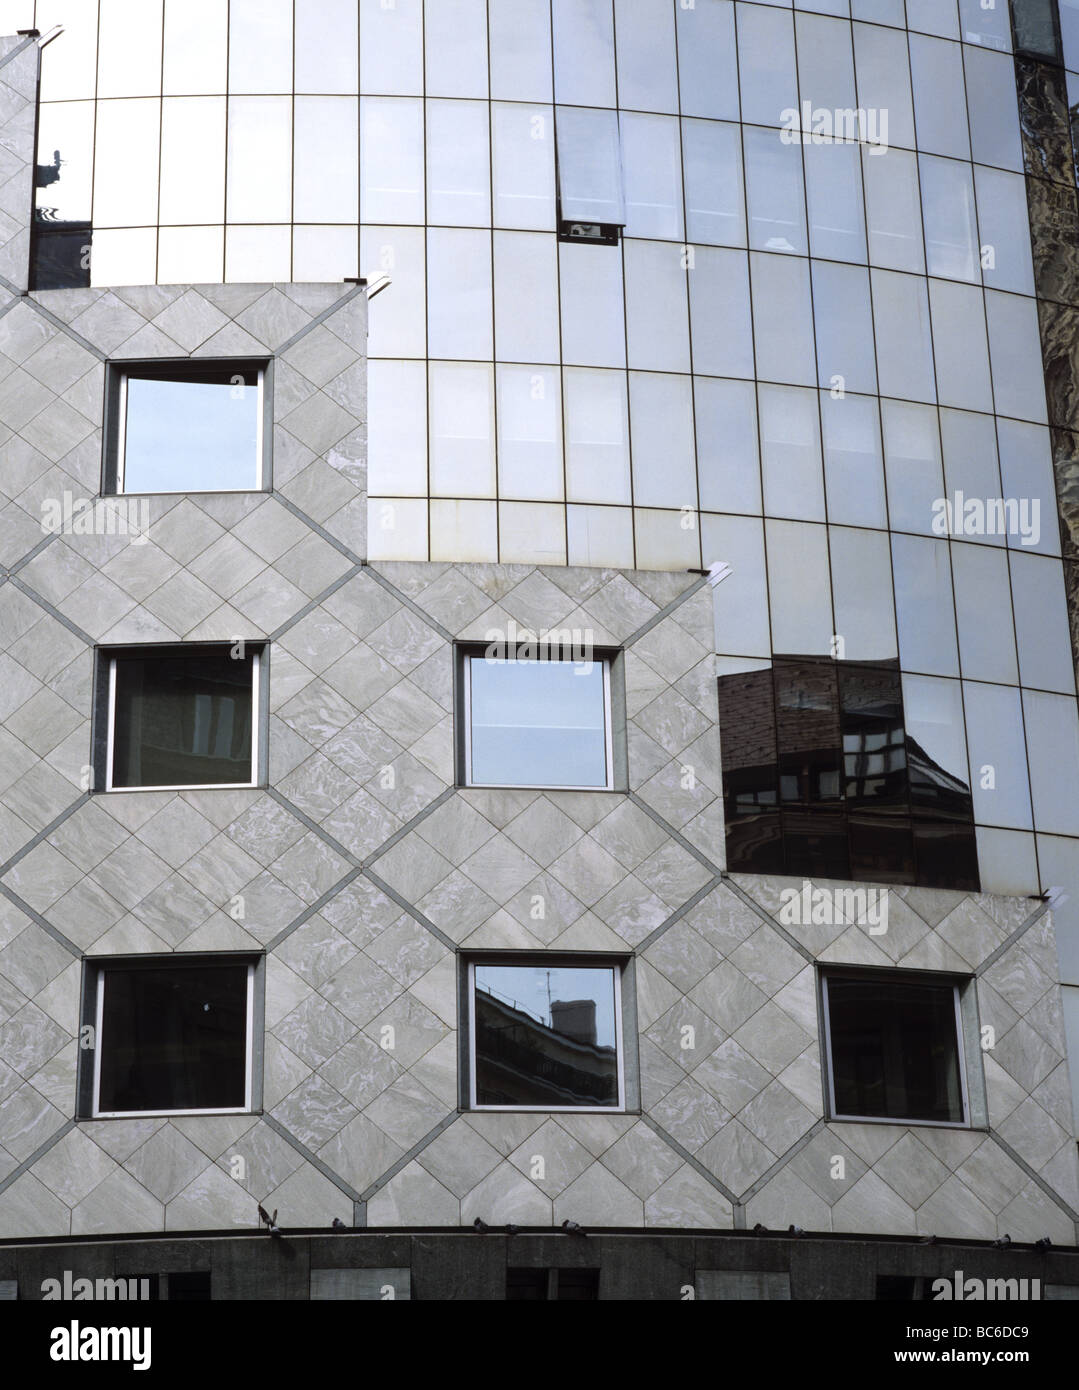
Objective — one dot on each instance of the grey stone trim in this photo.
(30, 554)
(679, 839)
(359, 1214)
(337, 544)
(428, 618)
(413, 912)
(312, 1158)
(666, 612)
(43, 835)
(65, 328)
(677, 915)
(38, 1153)
(21, 48)
(409, 826)
(40, 921)
(1054, 1196)
(772, 922)
(783, 1160)
(52, 612)
(313, 826)
(1006, 945)
(312, 908)
(350, 294)
(316, 602)
(407, 1158)
(687, 1157)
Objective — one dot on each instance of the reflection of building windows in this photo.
(822, 779)
(189, 426)
(170, 1035)
(179, 716)
(894, 1045)
(535, 716)
(545, 1034)
(591, 192)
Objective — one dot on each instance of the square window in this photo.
(180, 716)
(171, 1036)
(895, 1048)
(189, 426)
(545, 1034)
(535, 721)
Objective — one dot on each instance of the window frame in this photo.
(173, 369)
(111, 655)
(623, 978)
(960, 986)
(93, 1012)
(465, 653)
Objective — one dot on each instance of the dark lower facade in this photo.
(536, 1265)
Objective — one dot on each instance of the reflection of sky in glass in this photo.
(538, 723)
(190, 436)
(526, 987)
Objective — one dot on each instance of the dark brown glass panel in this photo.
(174, 1038)
(874, 741)
(815, 844)
(895, 1050)
(807, 731)
(946, 853)
(881, 848)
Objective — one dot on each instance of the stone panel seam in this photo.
(1035, 1176)
(36, 917)
(70, 332)
(38, 1154)
(43, 834)
(312, 1158)
(770, 921)
(313, 826)
(327, 536)
(687, 1157)
(346, 298)
(690, 903)
(316, 602)
(312, 908)
(666, 612)
(414, 912)
(782, 1161)
(51, 610)
(678, 838)
(1009, 942)
(391, 588)
(407, 1158)
(10, 57)
(409, 826)
(30, 554)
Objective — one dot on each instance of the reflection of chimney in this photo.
(575, 1018)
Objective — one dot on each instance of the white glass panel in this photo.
(986, 650)
(196, 47)
(455, 48)
(1026, 469)
(190, 255)
(715, 205)
(260, 45)
(191, 436)
(799, 588)
(998, 755)
(1004, 227)
(526, 297)
(647, 67)
(593, 317)
(657, 318)
(940, 103)
(652, 167)
(458, 164)
(790, 452)
(397, 432)
(912, 464)
(260, 159)
(661, 435)
(529, 432)
(597, 436)
(462, 430)
(741, 601)
(391, 159)
(523, 166)
(600, 536)
(391, 47)
(721, 320)
(129, 51)
(1053, 749)
(834, 191)
(397, 320)
(69, 62)
(882, 68)
(584, 52)
(893, 210)
(1041, 622)
(864, 606)
(934, 17)
(192, 159)
(988, 27)
(825, 63)
(326, 46)
(327, 182)
(783, 319)
(324, 253)
(775, 194)
(1015, 351)
(466, 532)
(951, 228)
(994, 114)
(258, 254)
(531, 533)
(397, 528)
(853, 467)
(126, 164)
(728, 464)
(66, 144)
(904, 350)
(589, 166)
(924, 608)
(843, 315)
(960, 347)
(970, 468)
(459, 293)
(520, 43)
(124, 257)
(707, 59)
(664, 541)
(766, 65)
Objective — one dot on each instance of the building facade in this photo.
(587, 735)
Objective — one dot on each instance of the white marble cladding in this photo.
(360, 887)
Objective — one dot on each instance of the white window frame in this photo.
(121, 436)
(99, 1010)
(466, 708)
(961, 1059)
(620, 1049)
(110, 744)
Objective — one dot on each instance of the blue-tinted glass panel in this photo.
(200, 434)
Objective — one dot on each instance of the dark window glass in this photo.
(546, 1036)
(815, 843)
(174, 1038)
(60, 259)
(527, 1285)
(895, 1050)
(807, 727)
(192, 1287)
(947, 854)
(881, 848)
(183, 720)
(903, 1288)
(578, 1285)
(874, 741)
(538, 723)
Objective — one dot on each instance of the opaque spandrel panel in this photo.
(397, 445)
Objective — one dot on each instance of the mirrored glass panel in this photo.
(546, 1036)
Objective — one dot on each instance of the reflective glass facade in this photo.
(813, 354)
